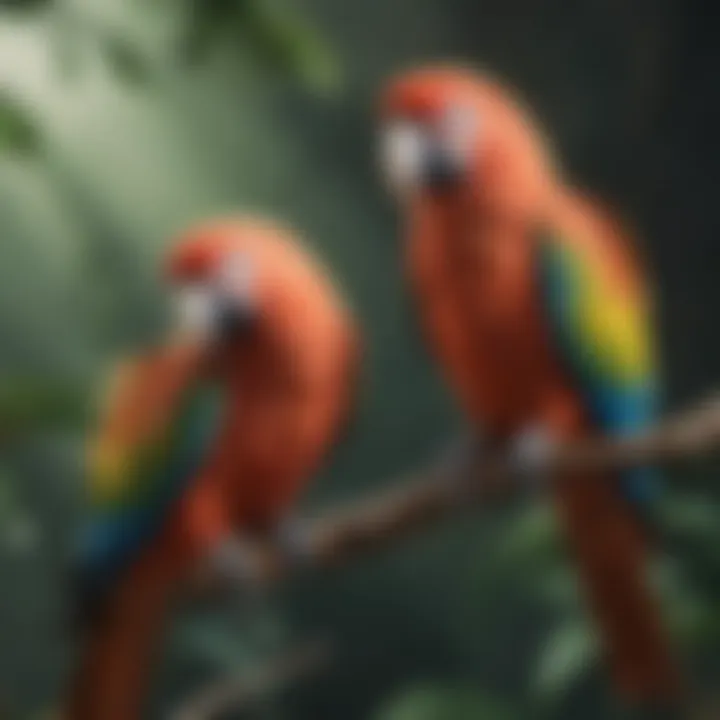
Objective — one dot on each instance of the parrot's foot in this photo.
(459, 460)
(238, 564)
(529, 455)
(294, 540)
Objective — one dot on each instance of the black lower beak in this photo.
(235, 319)
(442, 172)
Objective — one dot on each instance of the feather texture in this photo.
(135, 479)
(599, 320)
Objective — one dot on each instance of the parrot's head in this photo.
(444, 128)
(214, 274)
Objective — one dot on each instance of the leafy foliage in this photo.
(18, 133)
(567, 654)
(125, 59)
(284, 41)
(532, 536)
(315, 172)
(443, 703)
(24, 5)
(270, 32)
(32, 405)
(19, 532)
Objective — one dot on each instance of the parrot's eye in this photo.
(403, 147)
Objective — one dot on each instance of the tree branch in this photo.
(238, 691)
(425, 498)
(429, 496)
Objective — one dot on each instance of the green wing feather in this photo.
(601, 327)
(135, 484)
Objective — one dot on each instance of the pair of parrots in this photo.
(531, 300)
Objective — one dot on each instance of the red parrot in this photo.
(211, 436)
(535, 305)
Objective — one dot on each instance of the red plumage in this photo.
(288, 388)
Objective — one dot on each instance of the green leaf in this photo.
(23, 5)
(30, 405)
(18, 132)
(207, 20)
(532, 536)
(691, 615)
(126, 60)
(558, 586)
(284, 41)
(21, 534)
(568, 653)
(19, 531)
(444, 703)
(692, 516)
(8, 501)
(213, 644)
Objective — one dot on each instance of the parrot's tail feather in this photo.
(88, 600)
(641, 488)
(610, 549)
(117, 651)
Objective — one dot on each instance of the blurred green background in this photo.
(121, 121)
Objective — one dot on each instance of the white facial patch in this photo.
(403, 151)
(195, 310)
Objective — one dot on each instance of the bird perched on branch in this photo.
(535, 305)
(209, 436)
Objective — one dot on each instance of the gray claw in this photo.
(529, 455)
(235, 562)
(294, 541)
(459, 460)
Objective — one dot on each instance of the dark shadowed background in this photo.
(121, 121)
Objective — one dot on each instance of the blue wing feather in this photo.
(115, 533)
(604, 345)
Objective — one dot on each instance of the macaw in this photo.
(212, 435)
(535, 304)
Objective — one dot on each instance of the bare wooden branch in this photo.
(429, 496)
(241, 689)
(418, 501)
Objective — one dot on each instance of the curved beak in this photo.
(205, 314)
(413, 159)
